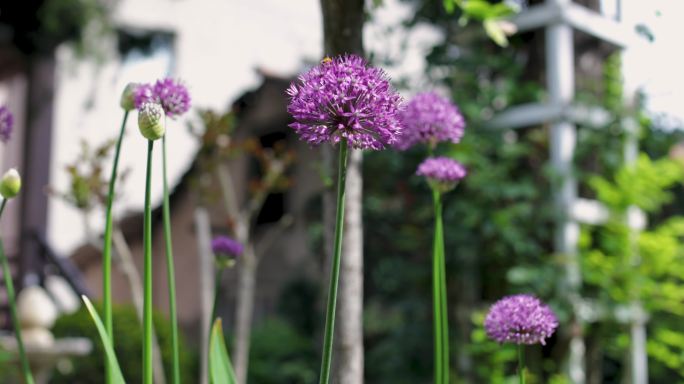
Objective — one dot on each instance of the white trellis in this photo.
(560, 18)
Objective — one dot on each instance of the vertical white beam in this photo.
(561, 85)
(638, 353)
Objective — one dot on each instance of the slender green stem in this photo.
(26, 370)
(521, 363)
(171, 275)
(441, 322)
(148, 374)
(107, 248)
(217, 290)
(437, 306)
(335, 272)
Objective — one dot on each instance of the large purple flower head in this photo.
(173, 96)
(345, 98)
(520, 319)
(441, 172)
(430, 118)
(6, 124)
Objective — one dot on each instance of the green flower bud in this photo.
(128, 97)
(10, 185)
(150, 121)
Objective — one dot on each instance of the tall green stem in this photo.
(171, 275)
(26, 370)
(217, 289)
(107, 248)
(439, 295)
(521, 363)
(148, 374)
(335, 273)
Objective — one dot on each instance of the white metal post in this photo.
(638, 353)
(561, 85)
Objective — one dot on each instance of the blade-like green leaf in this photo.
(117, 376)
(220, 368)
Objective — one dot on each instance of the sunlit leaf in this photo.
(220, 368)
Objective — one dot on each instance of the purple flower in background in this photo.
(173, 96)
(6, 124)
(344, 98)
(144, 93)
(441, 172)
(520, 319)
(226, 247)
(430, 118)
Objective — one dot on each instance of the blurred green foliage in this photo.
(280, 354)
(623, 266)
(499, 223)
(128, 347)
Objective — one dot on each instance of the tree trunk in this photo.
(245, 310)
(343, 33)
(350, 301)
(36, 172)
(206, 260)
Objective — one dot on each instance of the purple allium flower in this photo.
(430, 118)
(6, 124)
(520, 319)
(227, 247)
(344, 98)
(441, 172)
(144, 93)
(173, 96)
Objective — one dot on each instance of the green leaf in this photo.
(495, 32)
(478, 9)
(501, 10)
(449, 6)
(220, 368)
(117, 376)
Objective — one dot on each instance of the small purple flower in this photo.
(173, 96)
(144, 93)
(441, 172)
(430, 118)
(520, 319)
(344, 98)
(6, 124)
(226, 247)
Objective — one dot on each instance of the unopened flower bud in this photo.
(150, 121)
(10, 185)
(128, 96)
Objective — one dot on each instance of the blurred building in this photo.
(59, 96)
(27, 88)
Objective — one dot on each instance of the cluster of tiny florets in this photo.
(430, 118)
(226, 247)
(441, 169)
(6, 124)
(345, 99)
(171, 94)
(520, 319)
